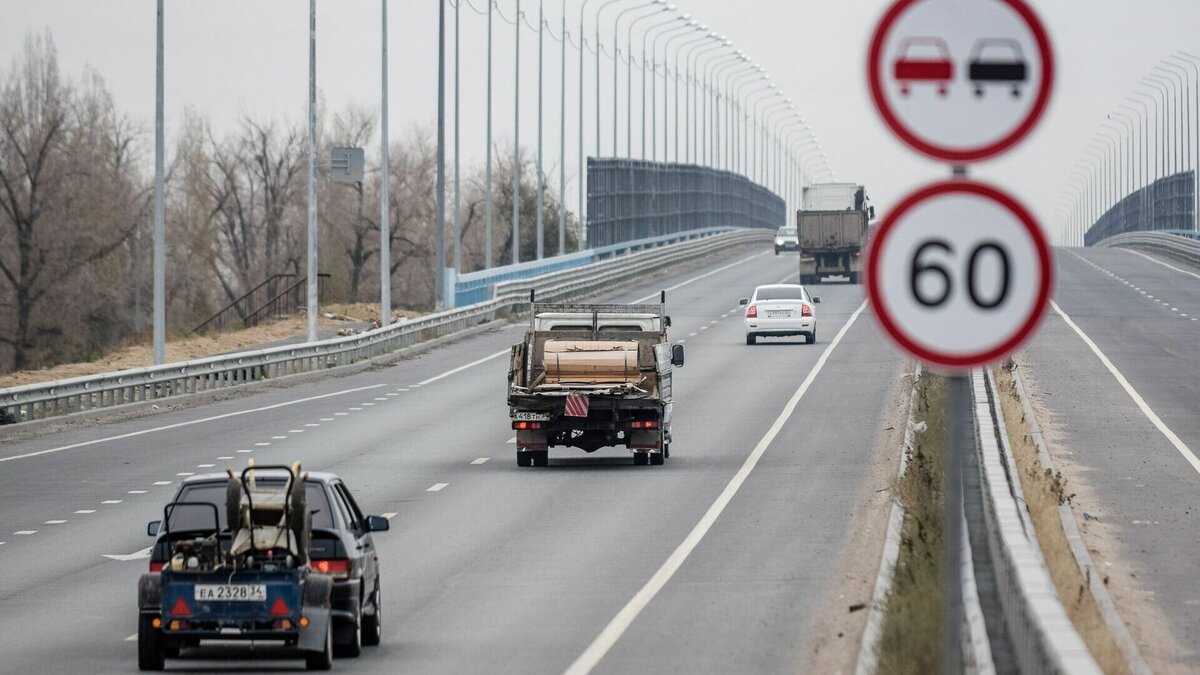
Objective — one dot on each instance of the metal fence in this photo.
(632, 199)
(1166, 204)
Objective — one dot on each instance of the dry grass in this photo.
(363, 311)
(911, 639)
(139, 355)
(1044, 492)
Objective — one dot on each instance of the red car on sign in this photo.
(923, 59)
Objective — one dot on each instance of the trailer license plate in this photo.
(232, 592)
(531, 417)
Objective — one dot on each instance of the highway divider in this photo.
(79, 394)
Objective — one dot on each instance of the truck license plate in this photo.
(531, 417)
(232, 592)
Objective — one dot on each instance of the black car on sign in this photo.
(341, 547)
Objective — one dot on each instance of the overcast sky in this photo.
(229, 57)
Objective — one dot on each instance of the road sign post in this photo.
(959, 273)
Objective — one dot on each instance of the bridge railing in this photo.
(62, 397)
(1178, 247)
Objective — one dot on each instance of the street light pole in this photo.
(562, 134)
(160, 198)
(312, 172)
(687, 91)
(487, 201)
(629, 82)
(616, 62)
(450, 300)
(1168, 144)
(540, 183)
(1191, 61)
(385, 220)
(516, 195)
(674, 34)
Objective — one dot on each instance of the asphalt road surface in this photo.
(1135, 456)
(713, 563)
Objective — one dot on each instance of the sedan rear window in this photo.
(196, 518)
(787, 232)
(782, 293)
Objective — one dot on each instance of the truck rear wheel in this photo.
(641, 458)
(524, 458)
(657, 458)
(540, 458)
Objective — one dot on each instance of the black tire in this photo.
(657, 459)
(751, 338)
(776, 251)
(666, 450)
(151, 648)
(322, 660)
(349, 643)
(854, 277)
(372, 625)
(541, 458)
(524, 458)
(641, 459)
(811, 338)
(233, 504)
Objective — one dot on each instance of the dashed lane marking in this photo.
(162, 482)
(366, 403)
(341, 414)
(278, 438)
(131, 638)
(312, 425)
(326, 419)
(381, 398)
(205, 466)
(113, 501)
(436, 487)
(225, 457)
(189, 423)
(692, 334)
(185, 474)
(389, 515)
(245, 451)
(1140, 402)
(393, 393)
(85, 511)
(481, 460)
(24, 533)
(55, 522)
(295, 431)
(261, 445)
(512, 440)
(131, 492)
(608, 637)
(353, 408)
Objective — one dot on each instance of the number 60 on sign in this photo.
(959, 274)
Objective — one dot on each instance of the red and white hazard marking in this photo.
(576, 406)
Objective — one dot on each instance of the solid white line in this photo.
(1156, 260)
(461, 368)
(481, 460)
(436, 487)
(621, 622)
(697, 278)
(1137, 398)
(189, 423)
(389, 515)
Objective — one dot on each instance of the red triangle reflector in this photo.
(180, 608)
(280, 608)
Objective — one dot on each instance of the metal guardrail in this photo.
(1173, 246)
(478, 286)
(1041, 634)
(61, 397)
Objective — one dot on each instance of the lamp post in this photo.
(487, 200)
(1129, 126)
(516, 188)
(670, 34)
(617, 59)
(629, 82)
(712, 134)
(700, 95)
(768, 169)
(649, 60)
(599, 48)
(159, 326)
(1177, 83)
(1143, 139)
(457, 160)
(737, 80)
(752, 130)
(562, 134)
(760, 136)
(687, 88)
(1191, 62)
(1168, 144)
(541, 184)
(385, 226)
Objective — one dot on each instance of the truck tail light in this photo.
(752, 312)
(156, 566)
(524, 426)
(805, 310)
(338, 568)
(645, 424)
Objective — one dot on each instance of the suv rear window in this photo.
(186, 518)
(780, 294)
(786, 232)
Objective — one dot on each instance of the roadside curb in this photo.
(1108, 609)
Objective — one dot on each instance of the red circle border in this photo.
(949, 154)
(979, 358)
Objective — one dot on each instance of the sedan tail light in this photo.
(752, 312)
(338, 568)
(806, 310)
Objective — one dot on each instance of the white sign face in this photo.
(959, 275)
(960, 80)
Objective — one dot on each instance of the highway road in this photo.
(1125, 433)
(723, 560)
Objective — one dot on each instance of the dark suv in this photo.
(341, 547)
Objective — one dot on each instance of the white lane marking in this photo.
(86, 511)
(132, 492)
(481, 460)
(366, 404)
(692, 334)
(126, 557)
(312, 425)
(205, 466)
(326, 419)
(400, 390)
(225, 457)
(261, 445)
(419, 384)
(621, 622)
(511, 440)
(353, 408)
(277, 438)
(341, 414)
(189, 423)
(436, 487)
(695, 278)
(1133, 394)
(55, 522)
(382, 398)
(295, 431)
(389, 515)
(1156, 260)
(185, 474)
(461, 368)
(392, 393)
(681, 341)
(703, 327)
(162, 482)
(131, 638)
(713, 321)
(245, 451)
(1174, 309)
(113, 501)
(2, 543)
(25, 532)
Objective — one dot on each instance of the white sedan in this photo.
(778, 310)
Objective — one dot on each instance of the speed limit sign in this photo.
(959, 274)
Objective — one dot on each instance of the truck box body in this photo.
(592, 376)
(831, 197)
(831, 243)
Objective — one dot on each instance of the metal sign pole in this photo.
(160, 227)
(440, 216)
(385, 221)
(958, 440)
(312, 170)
